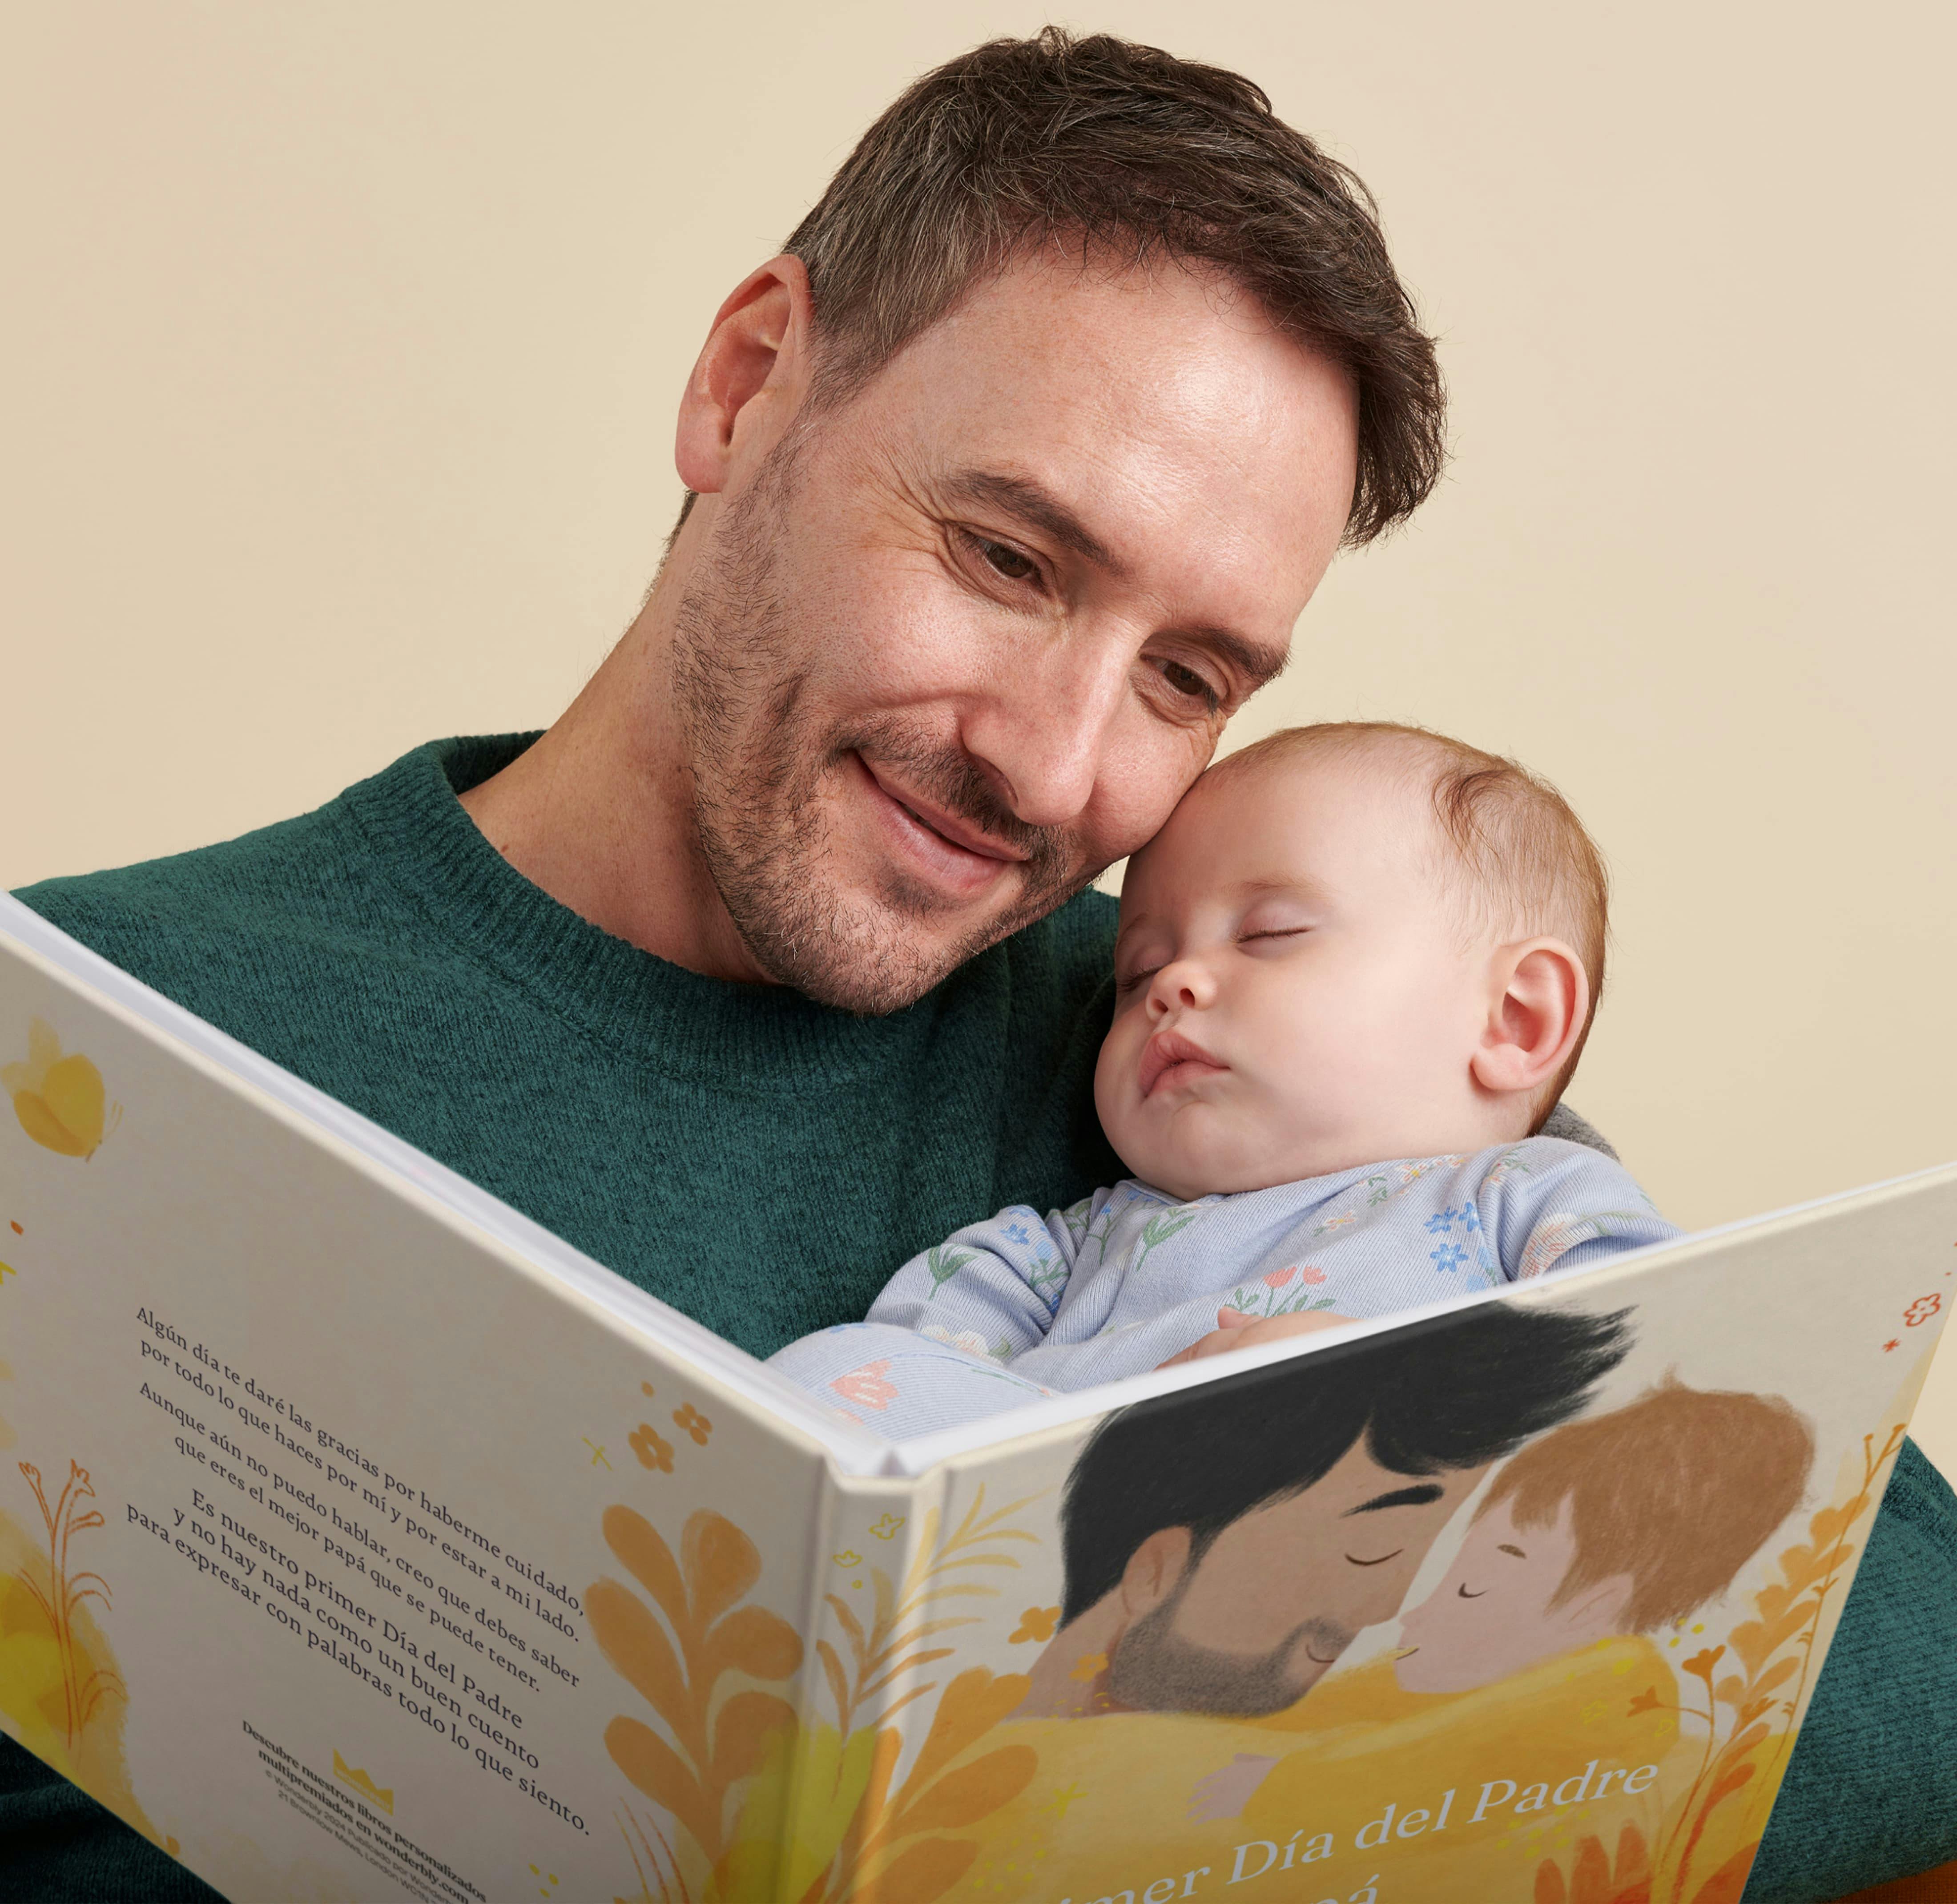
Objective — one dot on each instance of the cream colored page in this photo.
(346, 1555)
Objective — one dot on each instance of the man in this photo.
(1223, 1549)
(759, 972)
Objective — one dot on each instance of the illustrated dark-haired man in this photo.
(1223, 1547)
(1008, 478)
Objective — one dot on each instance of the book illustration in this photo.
(1529, 1697)
(59, 1100)
(822, 1819)
(60, 1685)
(357, 1777)
(709, 1747)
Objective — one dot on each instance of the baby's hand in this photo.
(1234, 1330)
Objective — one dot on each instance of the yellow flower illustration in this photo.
(1036, 1622)
(59, 1100)
(651, 1451)
(1090, 1666)
(690, 1421)
(886, 1528)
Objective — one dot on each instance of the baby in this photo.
(1354, 974)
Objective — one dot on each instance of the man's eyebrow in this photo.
(1258, 665)
(1036, 506)
(1400, 1497)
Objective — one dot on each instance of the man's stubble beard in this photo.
(1154, 1669)
(759, 760)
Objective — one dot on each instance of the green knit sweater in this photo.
(763, 1163)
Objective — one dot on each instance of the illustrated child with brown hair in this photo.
(1597, 1535)
(1354, 972)
(1621, 1523)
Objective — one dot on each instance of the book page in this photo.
(344, 1552)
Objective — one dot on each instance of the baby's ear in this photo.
(1538, 998)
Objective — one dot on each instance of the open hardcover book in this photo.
(359, 1539)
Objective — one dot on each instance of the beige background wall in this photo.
(340, 346)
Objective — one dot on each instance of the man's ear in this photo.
(1539, 996)
(751, 378)
(1153, 1570)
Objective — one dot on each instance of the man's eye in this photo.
(1187, 681)
(1005, 560)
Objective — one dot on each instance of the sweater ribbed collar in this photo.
(642, 1008)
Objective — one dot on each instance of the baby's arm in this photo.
(1549, 1205)
(991, 1288)
(931, 1353)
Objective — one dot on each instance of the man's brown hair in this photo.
(1516, 853)
(1678, 1492)
(1110, 149)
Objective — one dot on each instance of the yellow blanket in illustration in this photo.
(1448, 1797)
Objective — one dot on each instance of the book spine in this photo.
(868, 1670)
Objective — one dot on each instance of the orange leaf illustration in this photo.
(972, 1705)
(636, 1542)
(661, 1775)
(1590, 1882)
(720, 1563)
(632, 1639)
(754, 1641)
(921, 1874)
(973, 1791)
(742, 1729)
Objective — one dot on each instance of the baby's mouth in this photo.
(1169, 1059)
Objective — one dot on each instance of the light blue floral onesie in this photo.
(1019, 1306)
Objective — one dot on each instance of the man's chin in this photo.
(868, 962)
(1163, 1673)
(875, 953)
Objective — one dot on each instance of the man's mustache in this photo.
(952, 781)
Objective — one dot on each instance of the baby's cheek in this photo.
(1114, 1098)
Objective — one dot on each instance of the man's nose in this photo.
(1043, 728)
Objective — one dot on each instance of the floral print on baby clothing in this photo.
(1021, 1305)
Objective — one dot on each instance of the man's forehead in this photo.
(1162, 414)
(1358, 1486)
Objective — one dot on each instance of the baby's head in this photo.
(1618, 1523)
(1350, 943)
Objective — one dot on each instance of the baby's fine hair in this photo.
(1676, 1492)
(1516, 854)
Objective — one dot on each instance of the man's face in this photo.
(1281, 1592)
(955, 644)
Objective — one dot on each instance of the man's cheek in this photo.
(1247, 1609)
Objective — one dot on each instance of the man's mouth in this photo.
(1169, 1059)
(948, 852)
